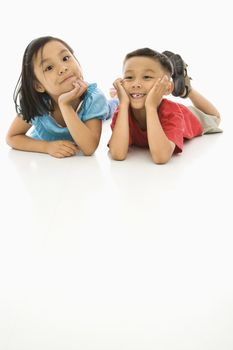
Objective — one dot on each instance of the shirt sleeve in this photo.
(95, 105)
(114, 118)
(172, 122)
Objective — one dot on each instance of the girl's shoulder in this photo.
(94, 104)
(93, 94)
(93, 90)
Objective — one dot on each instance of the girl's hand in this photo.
(157, 92)
(121, 93)
(62, 148)
(75, 94)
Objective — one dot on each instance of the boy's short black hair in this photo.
(146, 52)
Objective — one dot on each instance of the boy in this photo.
(145, 119)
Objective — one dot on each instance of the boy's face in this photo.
(139, 76)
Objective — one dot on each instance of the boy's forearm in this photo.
(119, 142)
(160, 146)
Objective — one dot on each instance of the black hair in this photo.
(28, 102)
(146, 52)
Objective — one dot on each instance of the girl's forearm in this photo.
(26, 143)
(85, 138)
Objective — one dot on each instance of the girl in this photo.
(63, 113)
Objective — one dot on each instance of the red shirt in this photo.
(177, 121)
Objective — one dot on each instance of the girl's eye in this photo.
(128, 78)
(147, 77)
(48, 68)
(66, 58)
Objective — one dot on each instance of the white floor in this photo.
(98, 254)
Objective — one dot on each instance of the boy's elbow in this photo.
(116, 155)
(162, 156)
(160, 159)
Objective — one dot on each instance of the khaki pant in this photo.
(209, 122)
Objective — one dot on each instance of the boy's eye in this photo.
(147, 77)
(128, 78)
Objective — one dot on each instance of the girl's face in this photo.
(139, 76)
(56, 69)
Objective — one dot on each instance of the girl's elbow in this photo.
(8, 140)
(89, 152)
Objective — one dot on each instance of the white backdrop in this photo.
(102, 32)
(104, 255)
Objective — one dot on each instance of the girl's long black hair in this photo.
(29, 102)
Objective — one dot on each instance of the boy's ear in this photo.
(170, 87)
(38, 87)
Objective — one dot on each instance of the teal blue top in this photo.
(93, 105)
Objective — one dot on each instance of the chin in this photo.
(137, 105)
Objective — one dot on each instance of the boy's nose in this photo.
(137, 84)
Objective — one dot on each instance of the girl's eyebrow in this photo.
(44, 60)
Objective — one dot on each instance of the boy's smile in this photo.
(137, 95)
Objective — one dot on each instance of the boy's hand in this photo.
(67, 98)
(61, 148)
(155, 95)
(121, 93)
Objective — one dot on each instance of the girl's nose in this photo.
(62, 70)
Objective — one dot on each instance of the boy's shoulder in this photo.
(167, 102)
(169, 105)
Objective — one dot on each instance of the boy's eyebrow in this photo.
(145, 70)
(47, 59)
(149, 70)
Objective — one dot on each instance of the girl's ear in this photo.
(170, 87)
(38, 87)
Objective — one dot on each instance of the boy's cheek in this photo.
(125, 84)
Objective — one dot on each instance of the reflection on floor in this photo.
(99, 254)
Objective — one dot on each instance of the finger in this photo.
(82, 84)
(76, 85)
(62, 155)
(165, 78)
(71, 147)
(117, 83)
(66, 152)
(57, 155)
